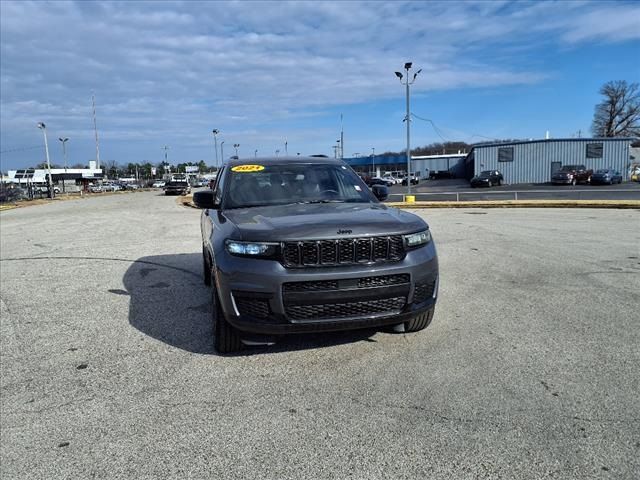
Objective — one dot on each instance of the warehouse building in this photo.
(536, 160)
(440, 166)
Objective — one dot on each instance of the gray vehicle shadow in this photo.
(169, 302)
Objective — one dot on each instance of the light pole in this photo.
(222, 151)
(64, 153)
(43, 127)
(277, 152)
(215, 132)
(255, 153)
(236, 145)
(408, 83)
(373, 160)
(286, 149)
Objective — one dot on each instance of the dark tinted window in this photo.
(505, 154)
(594, 150)
(280, 184)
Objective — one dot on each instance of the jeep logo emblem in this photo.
(344, 232)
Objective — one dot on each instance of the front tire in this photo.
(419, 322)
(225, 338)
(206, 265)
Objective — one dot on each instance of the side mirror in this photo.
(204, 199)
(380, 192)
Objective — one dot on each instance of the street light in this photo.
(43, 127)
(64, 153)
(64, 150)
(255, 152)
(407, 83)
(277, 152)
(215, 132)
(236, 145)
(222, 150)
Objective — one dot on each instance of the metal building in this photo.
(536, 160)
(452, 164)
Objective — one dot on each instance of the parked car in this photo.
(572, 175)
(606, 175)
(159, 184)
(380, 181)
(635, 173)
(415, 179)
(97, 188)
(177, 188)
(42, 189)
(352, 263)
(131, 186)
(109, 187)
(390, 178)
(487, 178)
(440, 174)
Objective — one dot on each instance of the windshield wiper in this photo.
(319, 201)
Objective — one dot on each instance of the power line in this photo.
(436, 129)
(22, 149)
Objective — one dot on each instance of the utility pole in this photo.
(95, 128)
(408, 83)
(373, 161)
(341, 139)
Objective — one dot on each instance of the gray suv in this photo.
(294, 245)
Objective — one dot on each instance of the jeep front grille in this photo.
(388, 306)
(314, 253)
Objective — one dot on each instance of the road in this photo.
(529, 370)
(459, 190)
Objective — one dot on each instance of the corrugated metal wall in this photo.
(532, 160)
(454, 165)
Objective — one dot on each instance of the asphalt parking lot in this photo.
(460, 190)
(529, 369)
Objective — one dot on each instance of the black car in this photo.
(488, 178)
(293, 245)
(606, 176)
(379, 181)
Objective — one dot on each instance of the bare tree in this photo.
(618, 115)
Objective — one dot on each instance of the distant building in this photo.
(535, 161)
(38, 176)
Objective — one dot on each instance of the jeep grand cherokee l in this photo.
(293, 245)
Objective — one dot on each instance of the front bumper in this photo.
(562, 181)
(255, 294)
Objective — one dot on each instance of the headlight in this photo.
(417, 239)
(252, 249)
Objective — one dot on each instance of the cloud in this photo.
(174, 68)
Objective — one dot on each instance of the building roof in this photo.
(551, 140)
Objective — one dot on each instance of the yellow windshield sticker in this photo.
(247, 168)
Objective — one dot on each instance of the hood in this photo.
(321, 221)
(480, 179)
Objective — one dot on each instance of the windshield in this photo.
(569, 168)
(294, 183)
(486, 173)
(602, 170)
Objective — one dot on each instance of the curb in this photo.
(620, 204)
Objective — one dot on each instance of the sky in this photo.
(168, 73)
